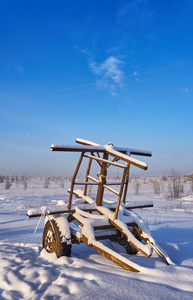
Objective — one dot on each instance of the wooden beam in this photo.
(126, 184)
(120, 193)
(106, 161)
(68, 211)
(112, 256)
(113, 222)
(93, 179)
(111, 151)
(120, 153)
(77, 148)
(84, 183)
(103, 173)
(86, 178)
(73, 180)
(111, 190)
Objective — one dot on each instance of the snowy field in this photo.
(28, 272)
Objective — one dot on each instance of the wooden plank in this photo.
(75, 240)
(114, 183)
(110, 226)
(85, 183)
(122, 231)
(96, 183)
(120, 149)
(114, 259)
(111, 190)
(111, 151)
(106, 161)
(93, 179)
(87, 143)
(129, 266)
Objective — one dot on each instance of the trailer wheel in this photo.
(130, 248)
(53, 241)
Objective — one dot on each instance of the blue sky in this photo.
(106, 71)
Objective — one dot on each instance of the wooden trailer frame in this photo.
(130, 232)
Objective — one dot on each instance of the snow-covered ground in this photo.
(28, 272)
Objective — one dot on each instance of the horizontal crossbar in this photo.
(106, 161)
(87, 209)
(95, 183)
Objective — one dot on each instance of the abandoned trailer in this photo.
(92, 220)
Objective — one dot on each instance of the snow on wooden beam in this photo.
(110, 150)
(77, 148)
(116, 153)
(38, 212)
(133, 151)
(88, 146)
(120, 149)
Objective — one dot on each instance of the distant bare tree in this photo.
(89, 190)
(62, 184)
(175, 187)
(7, 183)
(47, 183)
(17, 180)
(2, 178)
(137, 186)
(164, 178)
(24, 181)
(156, 186)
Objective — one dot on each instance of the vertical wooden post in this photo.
(73, 179)
(120, 193)
(126, 184)
(102, 178)
(87, 173)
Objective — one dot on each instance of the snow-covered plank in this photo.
(76, 148)
(110, 150)
(86, 142)
(122, 227)
(41, 211)
(133, 151)
(121, 149)
(80, 194)
(112, 255)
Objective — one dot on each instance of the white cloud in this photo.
(109, 71)
(186, 90)
(82, 50)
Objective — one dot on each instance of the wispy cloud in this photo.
(185, 90)
(82, 50)
(109, 72)
(135, 11)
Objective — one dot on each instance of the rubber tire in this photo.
(52, 240)
(130, 248)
